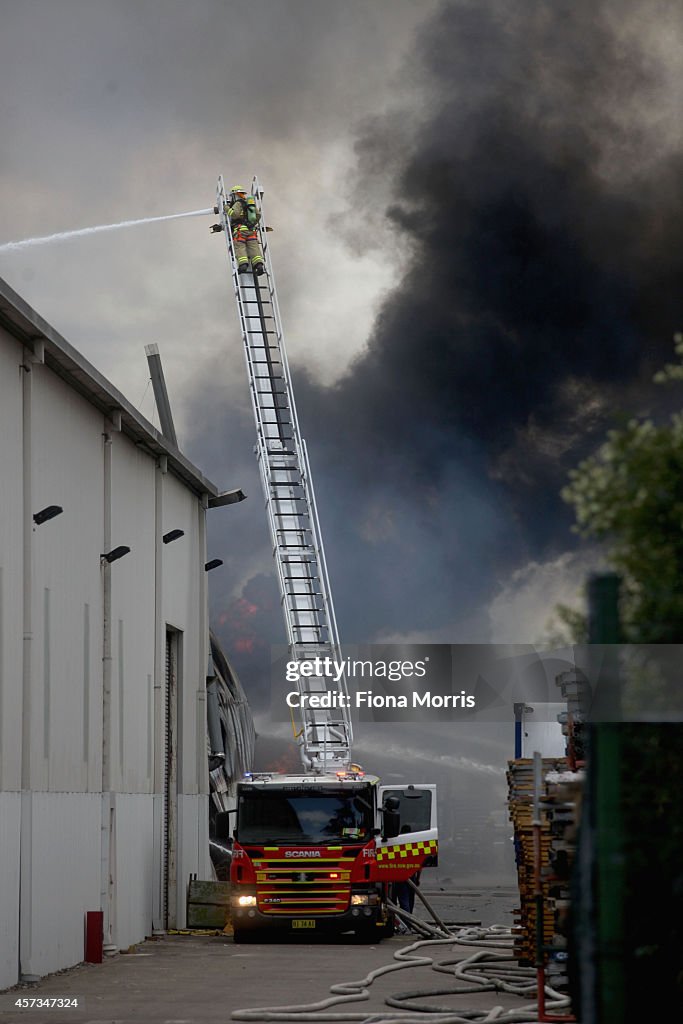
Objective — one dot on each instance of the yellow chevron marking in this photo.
(408, 849)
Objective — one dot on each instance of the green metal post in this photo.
(606, 768)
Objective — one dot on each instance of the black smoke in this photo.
(537, 213)
(541, 237)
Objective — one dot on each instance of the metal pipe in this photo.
(106, 809)
(158, 922)
(26, 820)
(161, 394)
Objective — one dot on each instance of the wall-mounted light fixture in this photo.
(49, 512)
(115, 553)
(227, 498)
(213, 564)
(172, 535)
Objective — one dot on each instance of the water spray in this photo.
(63, 235)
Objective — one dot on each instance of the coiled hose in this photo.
(491, 968)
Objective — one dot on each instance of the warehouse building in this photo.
(103, 658)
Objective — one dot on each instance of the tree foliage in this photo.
(629, 495)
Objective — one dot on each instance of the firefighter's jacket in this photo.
(244, 213)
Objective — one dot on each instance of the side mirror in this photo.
(391, 818)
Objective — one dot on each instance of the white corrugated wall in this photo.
(11, 536)
(10, 816)
(134, 867)
(65, 878)
(51, 682)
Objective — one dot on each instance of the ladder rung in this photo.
(327, 722)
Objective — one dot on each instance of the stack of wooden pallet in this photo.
(562, 804)
(520, 776)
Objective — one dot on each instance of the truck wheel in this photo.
(243, 935)
(368, 933)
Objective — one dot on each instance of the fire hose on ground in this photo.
(491, 968)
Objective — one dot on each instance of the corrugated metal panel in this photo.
(183, 572)
(67, 458)
(65, 875)
(134, 866)
(10, 816)
(182, 562)
(188, 826)
(132, 607)
(11, 569)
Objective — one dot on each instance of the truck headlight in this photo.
(246, 901)
(362, 899)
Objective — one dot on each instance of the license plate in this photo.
(305, 922)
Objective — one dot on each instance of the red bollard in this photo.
(94, 924)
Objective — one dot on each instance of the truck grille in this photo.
(304, 885)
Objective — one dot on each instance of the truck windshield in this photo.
(305, 815)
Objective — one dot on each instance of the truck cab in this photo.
(320, 853)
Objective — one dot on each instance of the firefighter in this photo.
(404, 894)
(244, 216)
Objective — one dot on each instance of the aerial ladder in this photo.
(322, 849)
(325, 734)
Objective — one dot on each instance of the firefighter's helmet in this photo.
(236, 189)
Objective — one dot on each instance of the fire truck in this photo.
(320, 850)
